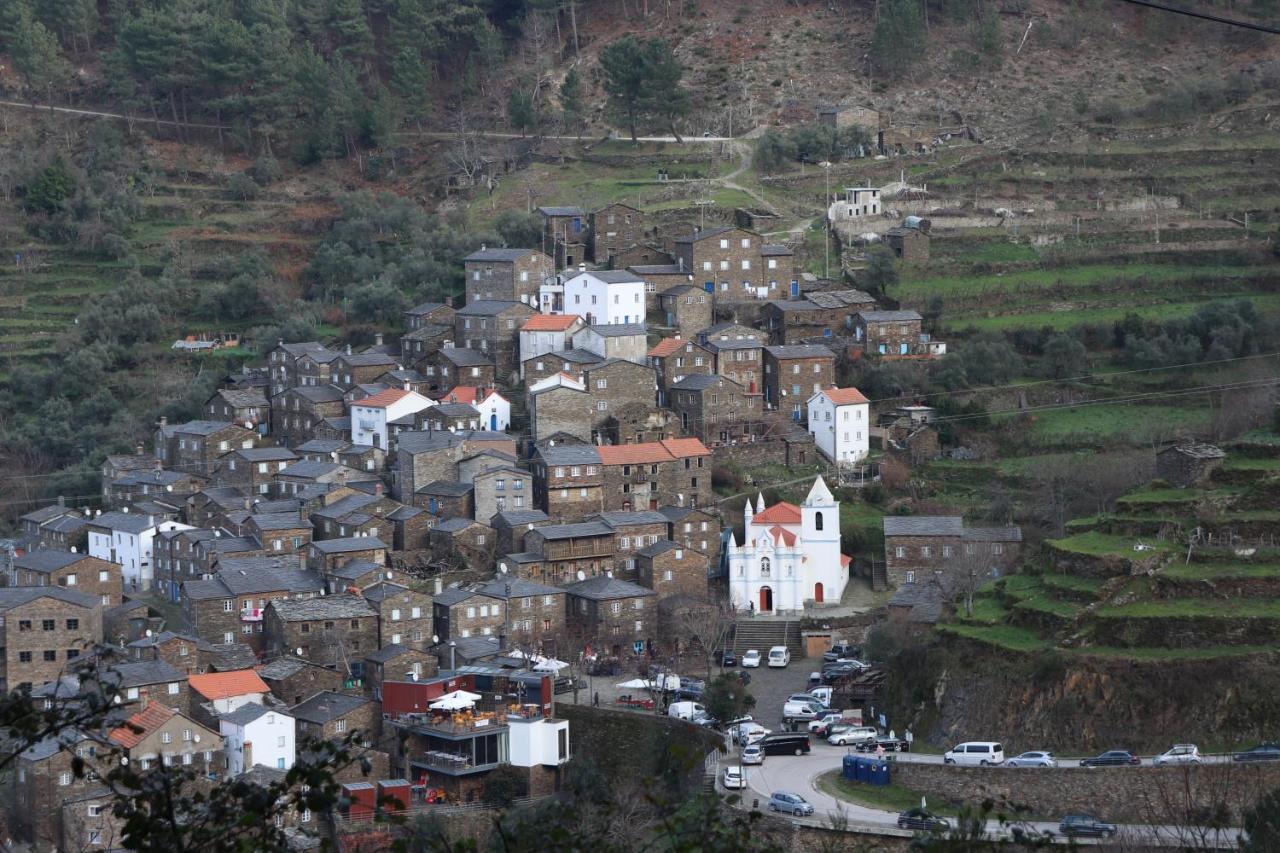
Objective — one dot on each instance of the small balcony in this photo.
(251, 614)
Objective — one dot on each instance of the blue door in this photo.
(710, 287)
(431, 506)
(795, 289)
(902, 349)
(493, 422)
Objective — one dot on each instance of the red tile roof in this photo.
(845, 396)
(141, 724)
(778, 533)
(549, 322)
(779, 513)
(383, 398)
(469, 394)
(667, 346)
(651, 452)
(223, 685)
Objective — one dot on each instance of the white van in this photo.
(822, 694)
(779, 656)
(686, 710)
(805, 711)
(978, 753)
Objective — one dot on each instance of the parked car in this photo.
(734, 778)
(803, 711)
(1082, 824)
(805, 697)
(751, 659)
(686, 710)
(705, 720)
(1261, 752)
(562, 684)
(1112, 758)
(784, 801)
(978, 753)
(841, 650)
(824, 718)
(753, 754)
(779, 656)
(919, 819)
(785, 743)
(1032, 759)
(749, 733)
(890, 744)
(815, 679)
(852, 735)
(726, 657)
(1179, 753)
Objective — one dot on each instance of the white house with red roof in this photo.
(790, 558)
(544, 333)
(371, 416)
(839, 420)
(494, 409)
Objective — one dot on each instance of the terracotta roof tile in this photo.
(141, 724)
(788, 538)
(667, 346)
(549, 322)
(682, 447)
(651, 451)
(383, 398)
(469, 394)
(223, 685)
(779, 513)
(844, 396)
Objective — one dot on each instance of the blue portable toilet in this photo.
(878, 772)
(849, 767)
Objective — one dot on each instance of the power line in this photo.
(1204, 16)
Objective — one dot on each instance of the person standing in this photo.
(595, 700)
(910, 738)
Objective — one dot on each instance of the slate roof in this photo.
(326, 706)
(368, 359)
(455, 410)
(700, 382)
(658, 269)
(705, 234)
(618, 330)
(283, 667)
(247, 713)
(489, 307)
(126, 522)
(580, 528)
(1196, 450)
(464, 357)
(745, 343)
(14, 596)
(345, 506)
(47, 512)
(344, 606)
(517, 517)
(446, 488)
(426, 308)
(570, 454)
(278, 521)
(425, 441)
(800, 351)
(561, 211)
(387, 653)
(319, 393)
(923, 525)
(382, 590)
(45, 561)
(347, 544)
(577, 355)
(513, 587)
(624, 517)
(323, 445)
(265, 454)
(204, 427)
(453, 595)
(605, 588)
(662, 546)
(889, 316)
(456, 525)
(923, 599)
(243, 398)
(229, 656)
(138, 673)
(353, 569)
(615, 276)
(504, 255)
(993, 534)
(840, 298)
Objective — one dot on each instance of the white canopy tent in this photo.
(455, 701)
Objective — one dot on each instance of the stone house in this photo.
(511, 526)
(716, 410)
(294, 479)
(292, 679)
(279, 532)
(615, 384)
(535, 612)
(35, 525)
(184, 652)
(779, 271)
(698, 529)
(230, 606)
(418, 345)
(449, 417)
(44, 628)
(404, 615)
(297, 413)
(819, 317)
(172, 488)
(888, 332)
(660, 276)
(919, 548)
(685, 308)
(253, 470)
(427, 457)
(427, 314)
(196, 446)
(672, 359)
(671, 569)
(157, 735)
(327, 554)
(569, 551)
(450, 366)
(43, 779)
(372, 515)
(466, 538)
(283, 362)
(92, 576)
(492, 327)
(909, 245)
(463, 613)
(361, 368)
(499, 489)
(725, 261)
(335, 716)
(354, 576)
(568, 480)
(850, 115)
(561, 404)
(317, 368)
(240, 406)
(396, 663)
(627, 341)
(337, 630)
(636, 423)
(643, 476)
(740, 360)
(1188, 463)
(564, 234)
(640, 254)
(446, 499)
(506, 275)
(612, 228)
(633, 531)
(611, 614)
(547, 333)
(570, 362)
(792, 374)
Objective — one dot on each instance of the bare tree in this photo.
(705, 623)
(468, 151)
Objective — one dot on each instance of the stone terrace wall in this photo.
(1121, 794)
(645, 743)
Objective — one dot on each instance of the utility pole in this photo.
(826, 231)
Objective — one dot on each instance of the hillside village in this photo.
(477, 451)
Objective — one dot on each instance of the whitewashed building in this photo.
(494, 409)
(126, 538)
(840, 425)
(606, 297)
(253, 735)
(372, 416)
(857, 203)
(790, 558)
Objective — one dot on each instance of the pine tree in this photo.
(37, 57)
(571, 101)
(520, 111)
(899, 37)
(410, 80)
(624, 80)
(664, 98)
(349, 31)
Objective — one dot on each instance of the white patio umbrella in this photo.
(635, 684)
(455, 701)
(549, 665)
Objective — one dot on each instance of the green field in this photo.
(1009, 637)
(1098, 544)
(1193, 608)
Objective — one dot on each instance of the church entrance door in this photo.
(766, 600)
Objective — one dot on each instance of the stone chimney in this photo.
(377, 339)
(448, 301)
(138, 450)
(62, 502)
(164, 422)
(342, 476)
(582, 267)
(680, 261)
(348, 349)
(144, 696)
(439, 586)
(377, 489)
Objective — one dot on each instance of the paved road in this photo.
(799, 774)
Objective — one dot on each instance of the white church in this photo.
(791, 556)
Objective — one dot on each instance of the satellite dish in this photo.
(197, 738)
(124, 760)
(390, 576)
(502, 567)
(435, 638)
(74, 550)
(582, 575)
(148, 632)
(413, 675)
(299, 651)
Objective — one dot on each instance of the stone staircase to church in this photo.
(763, 633)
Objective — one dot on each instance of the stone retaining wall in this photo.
(1121, 794)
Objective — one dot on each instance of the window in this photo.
(615, 607)
(395, 615)
(746, 265)
(227, 606)
(340, 726)
(724, 244)
(724, 265)
(73, 624)
(48, 624)
(50, 654)
(166, 737)
(64, 778)
(174, 688)
(24, 657)
(817, 521)
(911, 577)
(416, 613)
(926, 551)
(946, 550)
(997, 548)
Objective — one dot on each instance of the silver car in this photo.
(1179, 753)
(784, 801)
(1033, 759)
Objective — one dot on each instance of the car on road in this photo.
(1112, 758)
(890, 744)
(976, 753)
(794, 804)
(922, 820)
(1261, 752)
(734, 778)
(852, 735)
(753, 754)
(800, 711)
(785, 743)
(751, 659)
(1032, 759)
(779, 656)
(1082, 824)
(1179, 753)
(749, 733)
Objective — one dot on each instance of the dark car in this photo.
(890, 744)
(726, 657)
(1112, 758)
(1082, 824)
(743, 676)
(1261, 752)
(841, 650)
(785, 743)
(834, 674)
(919, 819)
(562, 684)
